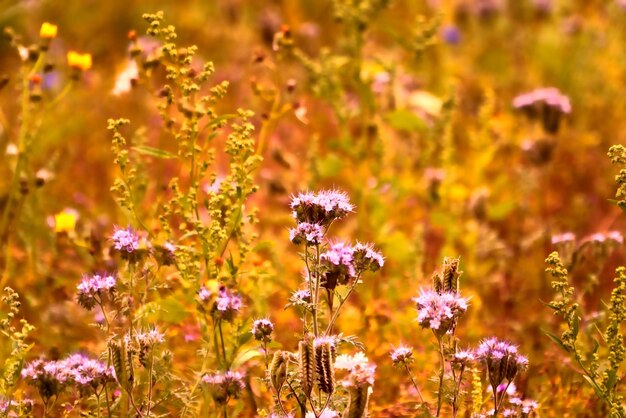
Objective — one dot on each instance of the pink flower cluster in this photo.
(91, 289)
(311, 234)
(401, 356)
(262, 329)
(361, 371)
(51, 377)
(320, 208)
(344, 262)
(225, 385)
(125, 239)
(439, 311)
(546, 103)
(227, 304)
(502, 360)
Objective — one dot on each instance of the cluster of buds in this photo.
(320, 208)
(93, 289)
(225, 386)
(227, 304)
(401, 356)
(439, 311)
(262, 330)
(51, 377)
(547, 104)
(502, 361)
(142, 344)
(344, 263)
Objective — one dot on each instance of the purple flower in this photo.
(125, 240)
(311, 234)
(439, 311)
(463, 357)
(227, 304)
(451, 34)
(502, 361)
(320, 208)
(338, 261)
(366, 258)
(548, 104)
(225, 385)
(402, 355)
(262, 329)
(300, 297)
(92, 289)
(361, 371)
(204, 294)
(51, 377)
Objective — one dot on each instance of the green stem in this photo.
(441, 375)
(419, 393)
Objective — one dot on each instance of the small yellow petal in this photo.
(79, 61)
(48, 31)
(65, 221)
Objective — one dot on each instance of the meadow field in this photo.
(312, 208)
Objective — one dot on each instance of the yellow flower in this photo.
(48, 31)
(79, 61)
(65, 221)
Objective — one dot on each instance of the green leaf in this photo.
(594, 386)
(153, 152)
(243, 357)
(556, 340)
(405, 120)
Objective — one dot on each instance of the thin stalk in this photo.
(419, 393)
(457, 389)
(219, 326)
(441, 374)
(151, 381)
(343, 301)
(98, 404)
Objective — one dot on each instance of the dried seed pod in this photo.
(278, 370)
(324, 358)
(118, 360)
(307, 365)
(451, 274)
(359, 397)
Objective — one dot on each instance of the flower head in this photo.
(125, 240)
(361, 371)
(81, 62)
(227, 304)
(501, 360)
(311, 234)
(48, 31)
(262, 329)
(439, 311)
(225, 385)
(65, 221)
(91, 289)
(548, 104)
(320, 208)
(402, 355)
(338, 260)
(366, 258)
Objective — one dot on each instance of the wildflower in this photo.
(439, 312)
(529, 406)
(227, 304)
(311, 234)
(165, 254)
(320, 208)
(463, 357)
(125, 240)
(339, 265)
(361, 371)
(545, 103)
(48, 31)
(262, 329)
(79, 62)
(402, 356)
(225, 385)
(325, 350)
(65, 221)
(300, 297)
(365, 258)
(204, 294)
(502, 361)
(91, 290)
(451, 35)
